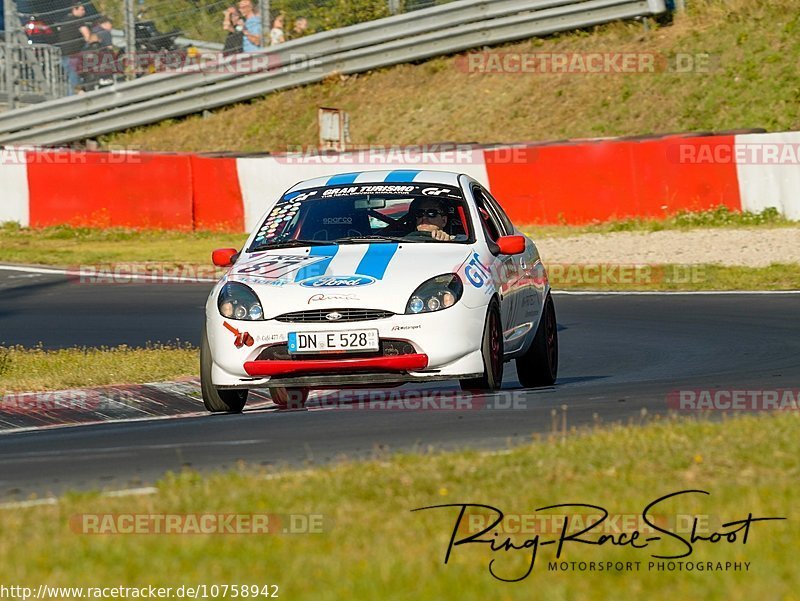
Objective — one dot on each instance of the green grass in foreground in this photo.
(373, 546)
(26, 369)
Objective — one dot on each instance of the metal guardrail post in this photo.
(266, 23)
(130, 39)
(10, 15)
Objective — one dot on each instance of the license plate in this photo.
(321, 342)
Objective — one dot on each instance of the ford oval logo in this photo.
(338, 281)
(335, 316)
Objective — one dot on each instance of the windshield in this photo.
(424, 213)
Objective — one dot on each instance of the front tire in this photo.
(492, 351)
(289, 398)
(539, 366)
(215, 399)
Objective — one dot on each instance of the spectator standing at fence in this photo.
(299, 28)
(233, 23)
(251, 31)
(98, 61)
(102, 30)
(276, 35)
(74, 34)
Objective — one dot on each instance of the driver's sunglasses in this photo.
(430, 213)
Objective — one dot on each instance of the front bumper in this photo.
(446, 345)
(274, 368)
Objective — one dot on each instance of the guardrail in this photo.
(443, 29)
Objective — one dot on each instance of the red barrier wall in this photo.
(596, 181)
(110, 189)
(573, 183)
(217, 198)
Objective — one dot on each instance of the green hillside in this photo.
(748, 50)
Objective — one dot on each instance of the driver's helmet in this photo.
(442, 203)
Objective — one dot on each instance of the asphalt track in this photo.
(621, 355)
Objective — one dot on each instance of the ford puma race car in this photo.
(377, 278)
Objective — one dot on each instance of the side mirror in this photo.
(224, 257)
(511, 245)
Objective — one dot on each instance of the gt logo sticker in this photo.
(302, 196)
(434, 191)
(476, 272)
(242, 338)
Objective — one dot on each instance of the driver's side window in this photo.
(491, 228)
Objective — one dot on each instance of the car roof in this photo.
(396, 176)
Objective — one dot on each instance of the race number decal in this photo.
(276, 266)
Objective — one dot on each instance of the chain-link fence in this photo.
(91, 39)
(203, 19)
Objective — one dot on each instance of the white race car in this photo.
(377, 278)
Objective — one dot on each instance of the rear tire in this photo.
(289, 398)
(492, 351)
(539, 366)
(215, 399)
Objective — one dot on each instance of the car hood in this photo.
(370, 276)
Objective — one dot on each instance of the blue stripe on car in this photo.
(318, 267)
(376, 260)
(342, 178)
(401, 175)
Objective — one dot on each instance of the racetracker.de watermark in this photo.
(413, 155)
(583, 63)
(31, 403)
(418, 400)
(126, 273)
(43, 155)
(199, 523)
(103, 63)
(625, 274)
(731, 399)
(573, 523)
(734, 153)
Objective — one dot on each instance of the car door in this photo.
(527, 303)
(504, 268)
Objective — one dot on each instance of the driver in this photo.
(430, 215)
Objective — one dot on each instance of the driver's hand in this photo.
(436, 233)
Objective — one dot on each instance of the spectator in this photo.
(233, 23)
(276, 35)
(102, 31)
(299, 28)
(74, 34)
(251, 30)
(98, 62)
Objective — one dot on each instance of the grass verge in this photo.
(74, 246)
(373, 547)
(719, 217)
(30, 369)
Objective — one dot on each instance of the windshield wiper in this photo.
(290, 244)
(373, 238)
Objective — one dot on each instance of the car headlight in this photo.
(237, 301)
(436, 294)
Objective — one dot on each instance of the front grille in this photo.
(320, 315)
(389, 348)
